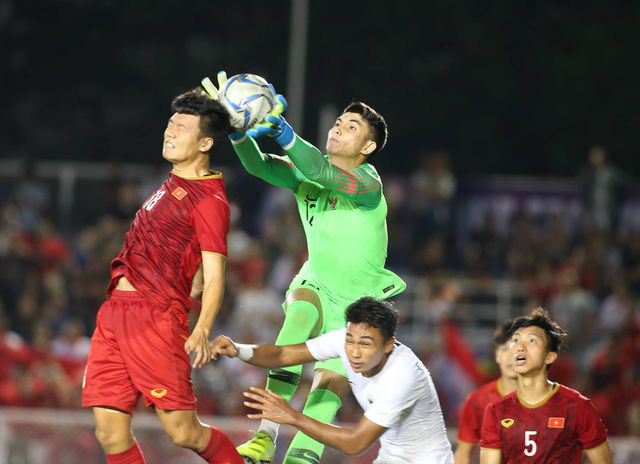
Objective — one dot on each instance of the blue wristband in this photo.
(236, 136)
(285, 137)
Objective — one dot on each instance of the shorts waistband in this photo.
(133, 295)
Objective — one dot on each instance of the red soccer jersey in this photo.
(470, 424)
(162, 250)
(553, 432)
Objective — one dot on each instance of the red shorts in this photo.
(138, 349)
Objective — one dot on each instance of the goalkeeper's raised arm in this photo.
(358, 133)
(276, 170)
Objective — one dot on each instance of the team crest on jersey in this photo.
(556, 423)
(333, 202)
(179, 193)
(506, 423)
(158, 392)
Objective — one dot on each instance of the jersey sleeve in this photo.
(591, 430)
(276, 170)
(210, 219)
(394, 398)
(327, 346)
(490, 437)
(361, 184)
(469, 426)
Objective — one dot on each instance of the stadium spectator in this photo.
(602, 191)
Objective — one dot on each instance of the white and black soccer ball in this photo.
(248, 98)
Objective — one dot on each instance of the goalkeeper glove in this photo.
(212, 91)
(274, 125)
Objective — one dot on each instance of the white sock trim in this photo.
(270, 428)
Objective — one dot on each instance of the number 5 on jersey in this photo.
(529, 442)
(153, 199)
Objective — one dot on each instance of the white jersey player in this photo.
(389, 381)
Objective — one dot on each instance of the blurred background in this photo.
(511, 175)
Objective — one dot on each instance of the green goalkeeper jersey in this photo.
(344, 217)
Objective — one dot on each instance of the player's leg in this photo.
(303, 320)
(113, 431)
(108, 389)
(186, 431)
(325, 398)
(152, 346)
(330, 387)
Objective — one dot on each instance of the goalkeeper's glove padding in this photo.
(236, 135)
(274, 125)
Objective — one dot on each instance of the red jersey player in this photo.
(141, 343)
(541, 422)
(470, 424)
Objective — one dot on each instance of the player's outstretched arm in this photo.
(269, 356)
(361, 184)
(275, 408)
(276, 170)
(213, 271)
(600, 454)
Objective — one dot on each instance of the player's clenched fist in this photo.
(198, 343)
(223, 346)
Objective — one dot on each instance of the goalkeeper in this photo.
(343, 211)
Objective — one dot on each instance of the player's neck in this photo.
(346, 163)
(534, 389)
(197, 167)
(507, 385)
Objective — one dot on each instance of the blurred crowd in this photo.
(585, 269)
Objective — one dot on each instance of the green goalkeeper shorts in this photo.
(333, 310)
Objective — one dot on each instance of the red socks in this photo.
(220, 450)
(132, 456)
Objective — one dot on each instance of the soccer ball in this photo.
(248, 98)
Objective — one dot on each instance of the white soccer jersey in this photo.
(401, 397)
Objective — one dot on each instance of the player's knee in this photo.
(303, 313)
(111, 438)
(332, 381)
(303, 294)
(185, 436)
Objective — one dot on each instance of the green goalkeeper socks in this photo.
(322, 405)
(300, 320)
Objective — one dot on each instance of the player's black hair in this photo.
(377, 313)
(377, 124)
(214, 118)
(556, 335)
(502, 334)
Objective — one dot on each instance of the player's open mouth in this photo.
(520, 360)
(169, 145)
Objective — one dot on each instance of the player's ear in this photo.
(207, 144)
(388, 345)
(368, 147)
(550, 358)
